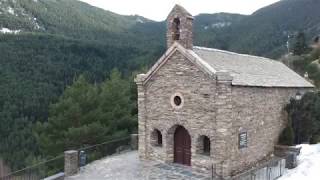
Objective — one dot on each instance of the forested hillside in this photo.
(45, 45)
(266, 31)
(37, 74)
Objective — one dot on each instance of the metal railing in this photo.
(270, 170)
(104, 149)
(56, 165)
(38, 171)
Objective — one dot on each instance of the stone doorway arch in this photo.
(182, 146)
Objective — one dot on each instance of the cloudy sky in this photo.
(158, 9)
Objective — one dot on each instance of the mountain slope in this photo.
(263, 33)
(210, 27)
(266, 31)
(70, 18)
(62, 16)
(45, 44)
(54, 41)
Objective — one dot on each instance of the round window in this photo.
(177, 100)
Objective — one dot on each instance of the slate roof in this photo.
(248, 70)
(179, 8)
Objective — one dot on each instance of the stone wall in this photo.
(197, 115)
(212, 107)
(71, 163)
(4, 170)
(260, 113)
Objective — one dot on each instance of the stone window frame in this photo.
(201, 149)
(173, 103)
(156, 138)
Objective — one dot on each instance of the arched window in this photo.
(203, 146)
(156, 138)
(176, 29)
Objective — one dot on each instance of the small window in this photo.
(203, 146)
(156, 138)
(176, 29)
(206, 145)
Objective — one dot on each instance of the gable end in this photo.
(188, 54)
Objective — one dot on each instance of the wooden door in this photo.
(182, 146)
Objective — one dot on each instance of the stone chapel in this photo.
(204, 107)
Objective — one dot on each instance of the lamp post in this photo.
(298, 96)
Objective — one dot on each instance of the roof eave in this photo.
(272, 86)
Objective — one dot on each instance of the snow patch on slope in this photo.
(9, 31)
(221, 24)
(35, 23)
(10, 10)
(217, 25)
(17, 10)
(139, 20)
(308, 164)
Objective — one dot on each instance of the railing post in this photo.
(134, 141)
(71, 163)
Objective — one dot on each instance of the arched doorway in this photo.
(182, 146)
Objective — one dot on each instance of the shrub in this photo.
(315, 139)
(287, 136)
(304, 116)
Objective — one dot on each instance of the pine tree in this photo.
(88, 114)
(287, 136)
(300, 46)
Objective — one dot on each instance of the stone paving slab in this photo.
(127, 166)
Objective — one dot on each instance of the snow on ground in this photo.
(308, 164)
(9, 31)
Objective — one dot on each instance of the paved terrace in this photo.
(127, 166)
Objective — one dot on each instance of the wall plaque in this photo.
(243, 140)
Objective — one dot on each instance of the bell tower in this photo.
(180, 27)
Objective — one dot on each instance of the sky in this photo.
(159, 9)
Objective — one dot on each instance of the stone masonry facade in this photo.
(241, 123)
(259, 112)
(214, 108)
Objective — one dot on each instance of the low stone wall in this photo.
(283, 151)
(134, 141)
(271, 170)
(4, 170)
(71, 159)
(290, 153)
